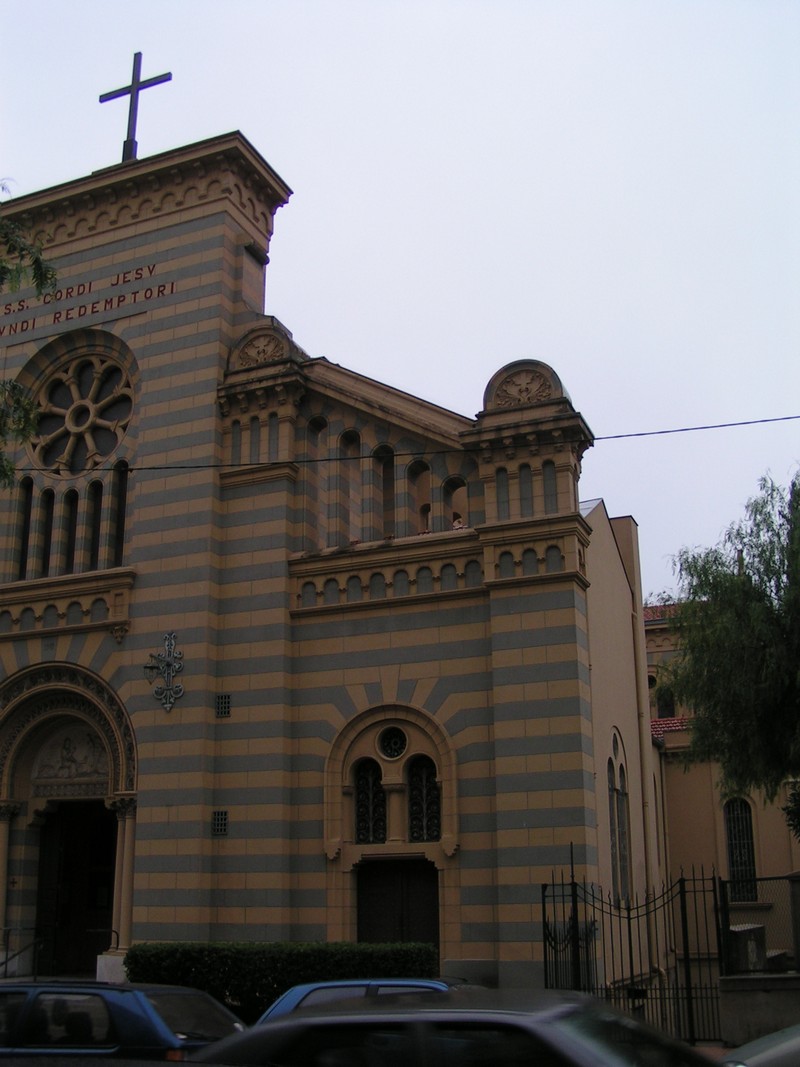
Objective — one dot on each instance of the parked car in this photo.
(317, 994)
(455, 1030)
(779, 1049)
(98, 1019)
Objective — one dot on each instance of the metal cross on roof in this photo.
(136, 86)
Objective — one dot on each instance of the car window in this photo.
(394, 990)
(194, 1016)
(620, 1042)
(467, 1044)
(352, 1045)
(68, 1020)
(330, 994)
(10, 1004)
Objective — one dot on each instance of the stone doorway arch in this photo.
(67, 803)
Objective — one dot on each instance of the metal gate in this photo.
(657, 959)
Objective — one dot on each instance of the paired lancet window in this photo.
(619, 825)
(421, 812)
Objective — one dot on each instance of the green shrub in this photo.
(248, 977)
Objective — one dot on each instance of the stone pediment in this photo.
(263, 347)
(525, 383)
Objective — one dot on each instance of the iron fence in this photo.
(658, 958)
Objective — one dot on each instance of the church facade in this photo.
(287, 654)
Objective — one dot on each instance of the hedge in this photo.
(248, 977)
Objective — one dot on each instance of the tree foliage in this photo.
(21, 260)
(738, 634)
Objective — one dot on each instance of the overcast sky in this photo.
(610, 186)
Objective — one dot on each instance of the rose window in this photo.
(84, 412)
(393, 742)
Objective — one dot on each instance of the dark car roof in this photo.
(532, 1010)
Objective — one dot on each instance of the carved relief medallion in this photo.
(523, 387)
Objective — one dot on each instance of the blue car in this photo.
(99, 1019)
(318, 994)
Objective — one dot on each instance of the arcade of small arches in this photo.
(53, 616)
(425, 581)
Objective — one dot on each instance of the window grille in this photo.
(424, 801)
(741, 850)
(370, 804)
(223, 706)
(219, 823)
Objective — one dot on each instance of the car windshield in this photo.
(194, 1016)
(619, 1042)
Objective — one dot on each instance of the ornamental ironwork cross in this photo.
(136, 86)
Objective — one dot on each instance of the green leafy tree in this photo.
(21, 261)
(738, 633)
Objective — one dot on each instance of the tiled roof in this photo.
(659, 727)
(659, 612)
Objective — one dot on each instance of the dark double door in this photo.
(398, 900)
(76, 887)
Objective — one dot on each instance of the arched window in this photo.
(26, 507)
(377, 586)
(255, 439)
(308, 595)
(553, 563)
(70, 529)
(272, 437)
(503, 506)
(550, 487)
(619, 825)
(525, 491)
(236, 442)
(400, 584)
(506, 565)
(330, 591)
(741, 850)
(424, 801)
(424, 580)
(48, 505)
(353, 589)
(665, 702)
(419, 485)
(449, 577)
(455, 504)
(530, 561)
(94, 522)
(370, 803)
(473, 574)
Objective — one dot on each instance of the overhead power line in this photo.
(693, 429)
(438, 451)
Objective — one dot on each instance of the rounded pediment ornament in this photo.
(263, 346)
(522, 384)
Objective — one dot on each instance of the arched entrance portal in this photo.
(398, 900)
(74, 907)
(67, 821)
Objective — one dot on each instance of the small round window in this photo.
(393, 742)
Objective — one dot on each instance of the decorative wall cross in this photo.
(166, 664)
(136, 86)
